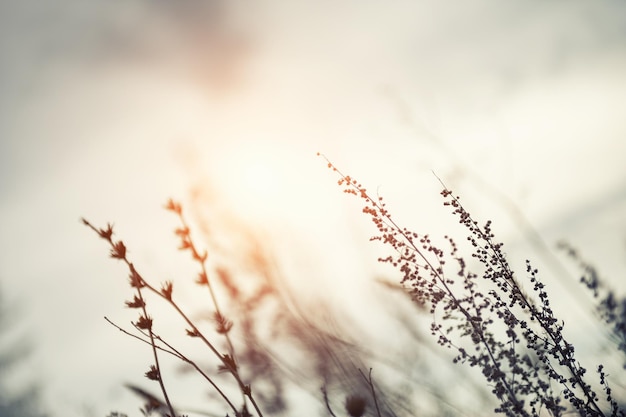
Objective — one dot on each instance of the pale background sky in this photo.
(108, 108)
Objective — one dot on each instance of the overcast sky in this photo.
(108, 108)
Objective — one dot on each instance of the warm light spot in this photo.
(258, 177)
(259, 174)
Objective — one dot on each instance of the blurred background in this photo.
(107, 109)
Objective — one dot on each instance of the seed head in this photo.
(355, 405)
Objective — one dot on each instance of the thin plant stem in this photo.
(325, 395)
(118, 250)
(369, 381)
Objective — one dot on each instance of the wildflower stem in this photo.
(325, 395)
(200, 371)
(408, 240)
(118, 250)
(368, 379)
(139, 338)
(509, 279)
(201, 259)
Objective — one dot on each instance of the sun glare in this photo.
(257, 176)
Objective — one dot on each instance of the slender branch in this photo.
(118, 251)
(368, 379)
(325, 394)
(390, 223)
(185, 359)
(231, 362)
(139, 338)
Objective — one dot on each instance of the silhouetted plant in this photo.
(610, 308)
(144, 324)
(332, 361)
(516, 339)
(493, 321)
